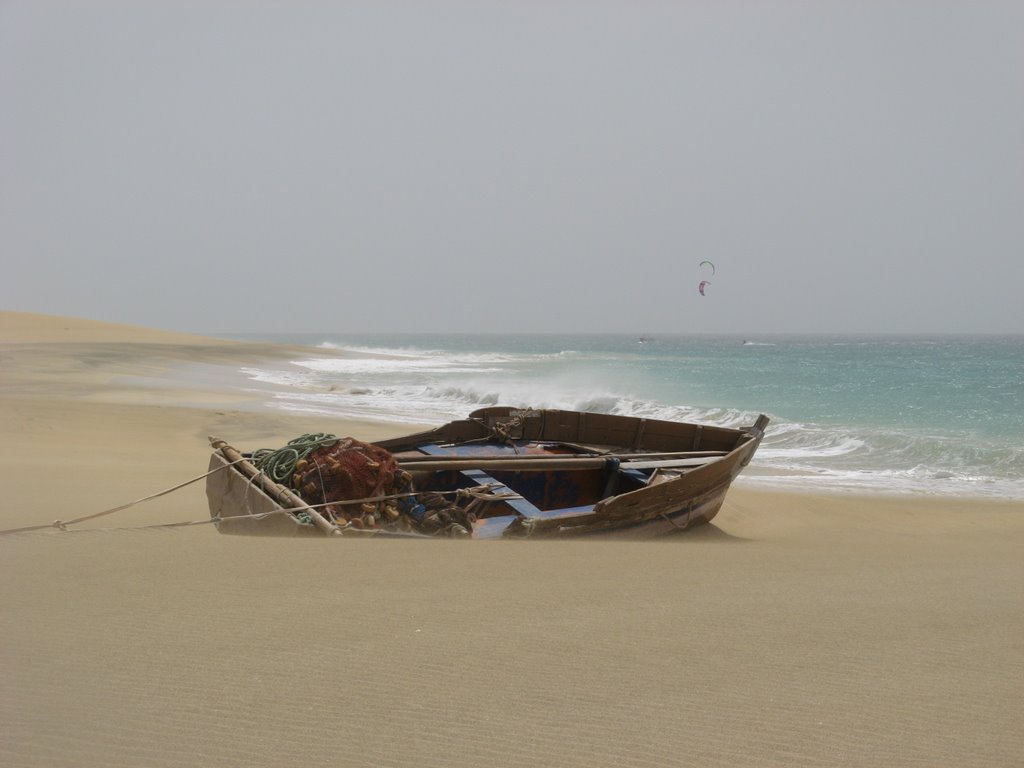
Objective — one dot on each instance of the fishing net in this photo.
(333, 472)
(347, 470)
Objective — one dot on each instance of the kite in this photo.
(709, 264)
(701, 287)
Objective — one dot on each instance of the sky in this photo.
(559, 166)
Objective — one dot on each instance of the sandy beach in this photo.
(798, 630)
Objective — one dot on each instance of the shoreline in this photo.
(101, 362)
(88, 361)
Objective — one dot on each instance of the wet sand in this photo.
(798, 630)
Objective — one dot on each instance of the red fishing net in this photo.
(349, 470)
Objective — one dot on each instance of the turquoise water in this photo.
(875, 414)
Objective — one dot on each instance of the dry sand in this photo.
(798, 630)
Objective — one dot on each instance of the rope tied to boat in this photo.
(502, 429)
(62, 525)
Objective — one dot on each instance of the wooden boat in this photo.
(542, 473)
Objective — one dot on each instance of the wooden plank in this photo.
(666, 463)
(414, 462)
(520, 505)
(477, 476)
(544, 463)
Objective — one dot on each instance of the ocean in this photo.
(940, 416)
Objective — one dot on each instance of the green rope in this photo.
(280, 464)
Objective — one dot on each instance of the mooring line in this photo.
(62, 525)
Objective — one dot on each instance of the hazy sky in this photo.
(517, 166)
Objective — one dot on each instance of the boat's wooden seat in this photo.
(479, 477)
(521, 506)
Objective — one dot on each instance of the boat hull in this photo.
(238, 506)
(594, 488)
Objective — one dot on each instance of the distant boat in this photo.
(644, 339)
(503, 472)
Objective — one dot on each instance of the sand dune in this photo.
(799, 630)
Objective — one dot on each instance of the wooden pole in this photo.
(541, 463)
(546, 457)
(278, 493)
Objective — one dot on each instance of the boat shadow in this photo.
(707, 532)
